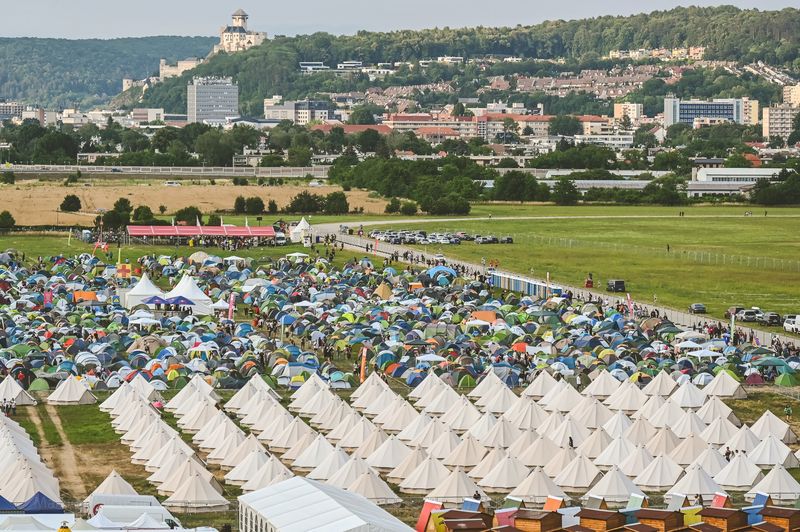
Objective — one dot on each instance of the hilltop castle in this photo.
(236, 37)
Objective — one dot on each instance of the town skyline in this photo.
(69, 21)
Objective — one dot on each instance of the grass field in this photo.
(716, 255)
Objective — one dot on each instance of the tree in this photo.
(215, 148)
(737, 160)
(142, 213)
(6, 220)
(189, 215)
(367, 140)
(565, 192)
(8, 178)
(272, 206)
(133, 141)
(336, 203)
(272, 160)
(625, 123)
(123, 205)
(408, 208)
(254, 205)
(239, 205)
(565, 125)
(115, 219)
(393, 206)
(306, 202)
(214, 220)
(299, 156)
(162, 209)
(361, 115)
(71, 203)
(459, 109)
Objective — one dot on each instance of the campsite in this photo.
(204, 379)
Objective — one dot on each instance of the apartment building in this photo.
(211, 99)
(736, 110)
(779, 120)
(298, 112)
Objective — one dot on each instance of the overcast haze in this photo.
(115, 18)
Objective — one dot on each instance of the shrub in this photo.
(190, 215)
(393, 206)
(239, 205)
(272, 206)
(214, 219)
(254, 205)
(6, 220)
(8, 178)
(408, 208)
(336, 203)
(71, 203)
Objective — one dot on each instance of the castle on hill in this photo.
(236, 37)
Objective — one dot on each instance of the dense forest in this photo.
(64, 73)
(727, 32)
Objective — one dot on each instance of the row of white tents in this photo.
(174, 467)
(187, 287)
(22, 472)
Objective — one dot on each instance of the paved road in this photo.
(678, 317)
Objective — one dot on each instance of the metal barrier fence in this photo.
(681, 319)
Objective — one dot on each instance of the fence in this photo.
(507, 279)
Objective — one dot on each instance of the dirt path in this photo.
(45, 449)
(69, 478)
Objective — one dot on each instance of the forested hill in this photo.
(727, 32)
(61, 72)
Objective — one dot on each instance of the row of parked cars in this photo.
(425, 238)
(790, 322)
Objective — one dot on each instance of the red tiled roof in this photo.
(435, 130)
(350, 129)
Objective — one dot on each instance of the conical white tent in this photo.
(779, 484)
(565, 400)
(559, 461)
(502, 434)
(688, 424)
(668, 415)
(114, 484)
(616, 452)
(740, 474)
(425, 477)
(144, 289)
(71, 392)
(538, 388)
(247, 468)
(724, 385)
(388, 455)
(719, 432)
(580, 475)
(370, 486)
(196, 495)
(415, 428)
(650, 407)
(313, 455)
(602, 386)
(696, 483)
(569, 432)
(772, 452)
(352, 431)
(525, 440)
(444, 445)
(455, 488)
(688, 396)
(489, 385)
(744, 440)
(187, 287)
(500, 402)
(614, 487)
(664, 442)
(661, 474)
(539, 453)
(504, 476)
(591, 414)
(617, 425)
(467, 454)
(484, 425)
(491, 459)
(371, 444)
(638, 460)
(10, 390)
(688, 450)
(661, 385)
(710, 460)
(527, 415)
(769, 423)
(328, 467)
(407, 466)
(536, 488)
(354, 468)
(715, 408)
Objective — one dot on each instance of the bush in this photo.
(162, 209)
(123, 205)
(239, 205)
(408, 208)
(71, 179)
(306, 202)
(336, 203)
(71, 203)
(254, 205)
(272, 207)
(190, 215)
(565, 192)
(142, 213)
(393, 206)
(116, 219)
(8, 178)
(214, 219)
(6, 220)
(240, 181)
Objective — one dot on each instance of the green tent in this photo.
(39, 385)
(786, 379)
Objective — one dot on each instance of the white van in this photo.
(171, 184)
(280, 239)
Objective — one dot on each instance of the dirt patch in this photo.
(36, 203)
(69, 479)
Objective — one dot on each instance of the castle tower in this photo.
(240, 19)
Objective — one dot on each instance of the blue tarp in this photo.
(41, 504)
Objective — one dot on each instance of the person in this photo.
(13, 407)
(571, 443)
(728, 454)
(787, 411)
(477, 495)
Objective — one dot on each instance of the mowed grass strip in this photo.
(51, 434)
(87, 424)
(24, 420)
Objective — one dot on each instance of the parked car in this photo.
(506, 240)
(697, 308)
(747, 315)
(791, 323)
(734, 310)
(770, 318)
